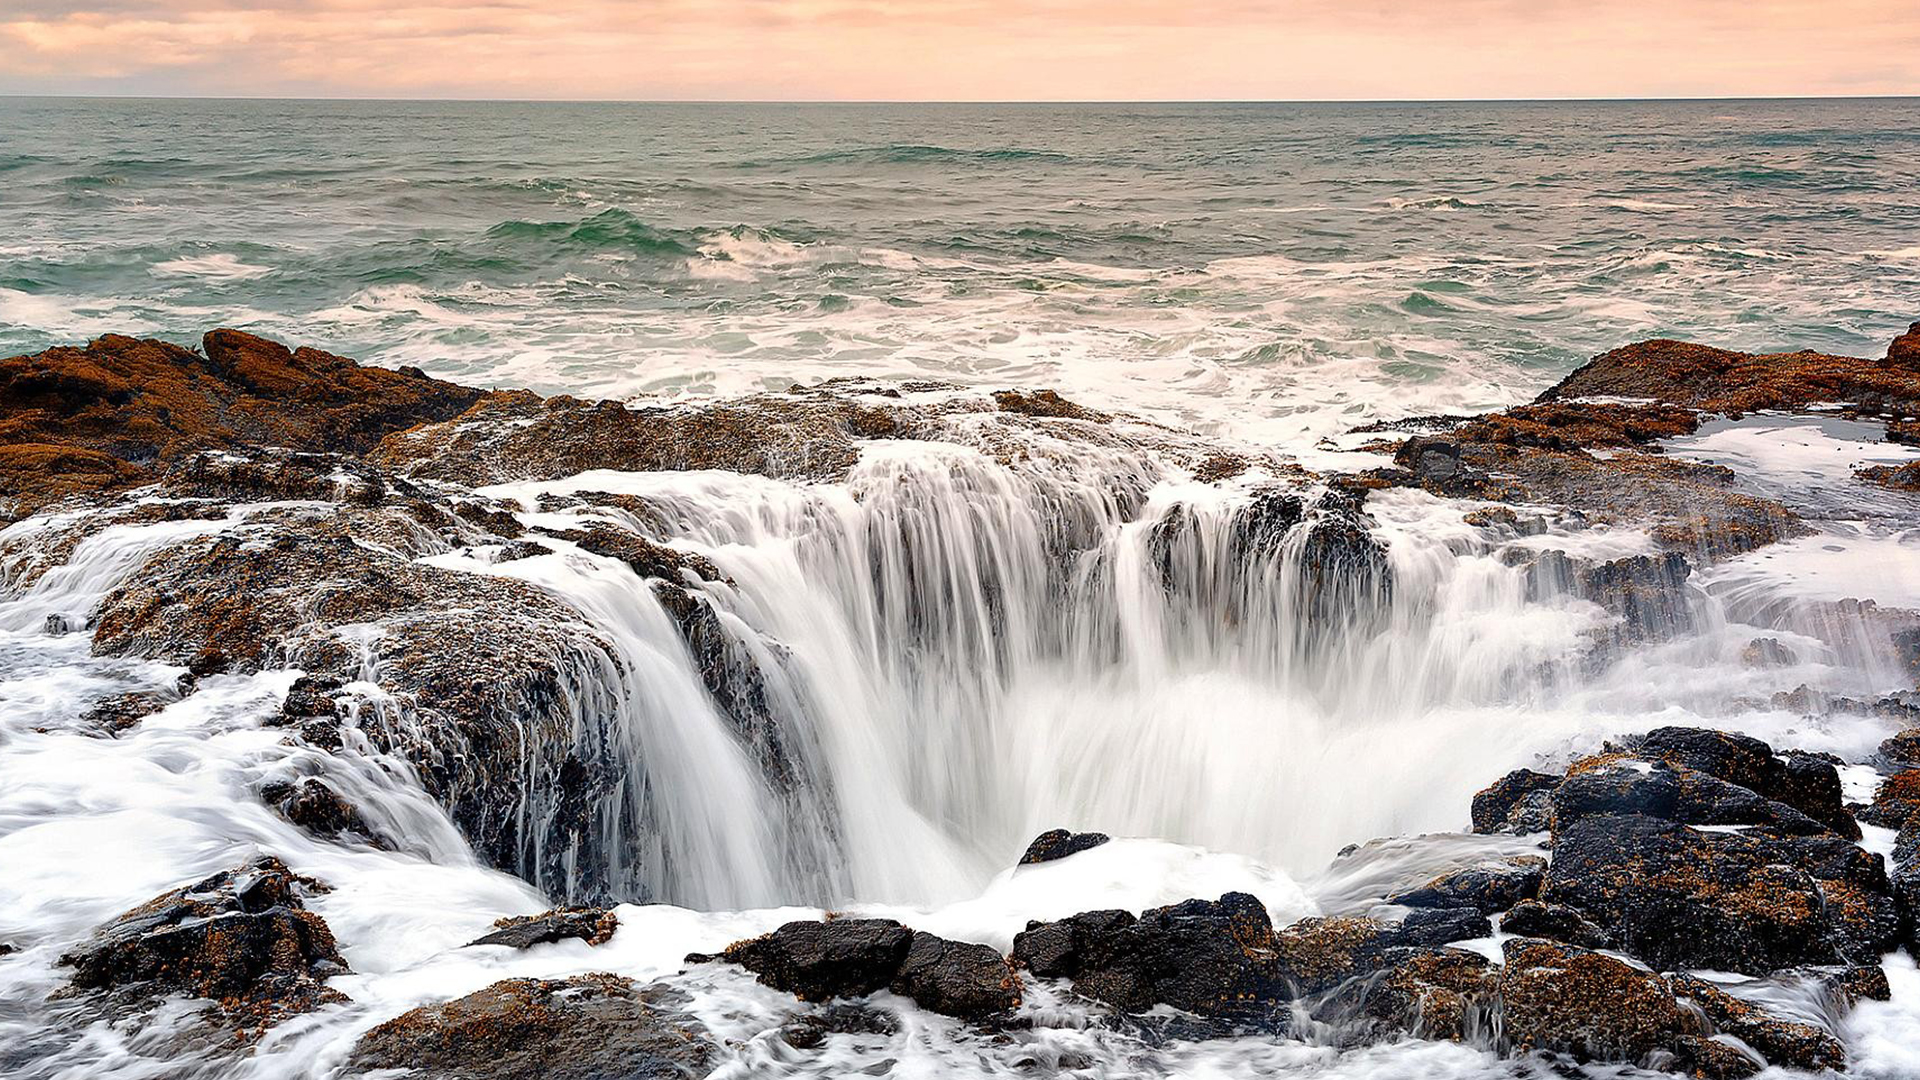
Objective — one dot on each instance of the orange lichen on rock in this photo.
(113, 412)
(1721, 380)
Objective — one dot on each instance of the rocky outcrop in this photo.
(1519, 802)
(1904, 352)
(1058, 844)
(595, 926)
(118, 411)
(1488, 889)
(242, 938)
(852, 958)
(1585, 1004)
(585, 1027)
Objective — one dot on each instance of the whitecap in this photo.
(219, 266)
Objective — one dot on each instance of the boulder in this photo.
(242, 937)
(818, 961)
(1784, 1042)
(1556, 922)
(593, 925)
(1318, 954)
(1591, 1006)
(1507, 805)
(810, 1031)
(585, 1027)
(1678, 897)
(315, 806)
(1441, 994)
(1210, 957)
(1806, 782)
(1621, 784)
(1054, 950)
(1488, 889)
(957, 978)
(1058, 844)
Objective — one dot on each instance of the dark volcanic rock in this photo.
(1620, 784)
(1210, 957)
(595, 926)
(315, 806)
(957, 978)
(1427, 993)
(810, 1031)
(816, 961)
(1058, 844)
(1486, 889)
(1494, 808)
(1805, 782)
(1680, 898)
(241, 937)
(1784, 1042)
(1316, 955)
(1055, 950)
(1557, 922)
(1574, 1001)
(586, 1027)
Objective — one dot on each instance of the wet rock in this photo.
(593, 925)
(1055, 950)
(1487, 889)
(520, 436)
(1904, 352)
(1556, 922)
(115, 412)
(1648, 593)
(315, 806)
(242, 937)
(645, 557)
(1619, 784)
(1058, 844)
(1720, 380)
(957, 978)
(1209, 957)
(119, 712)
(817, 961)
(1586, 1004)
(1895, 802)
(1677, 897)
(1805, 782)
(1441, 994)
(1767, 653)
(585, 1027)
(1316, 955)
(1045, 403)
(1430, 459)
(809, 1032)
(1509, 804)
(1781, 1041)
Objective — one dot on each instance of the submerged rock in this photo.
(1789, 1043)
(1488, 889)
(241, 937)
(595, 926)
(584, 1027)
(1586, 1004)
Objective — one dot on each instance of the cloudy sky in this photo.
(961, 49)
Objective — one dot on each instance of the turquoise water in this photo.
(1270, 271)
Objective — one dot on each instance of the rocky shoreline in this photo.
(302, 512)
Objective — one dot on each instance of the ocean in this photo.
(1268, 271)
(994, 625)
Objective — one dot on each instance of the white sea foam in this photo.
(218, 266)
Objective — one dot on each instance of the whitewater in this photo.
(963, 642)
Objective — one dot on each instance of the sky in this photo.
(961, 50)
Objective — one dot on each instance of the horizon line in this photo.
(964, 101)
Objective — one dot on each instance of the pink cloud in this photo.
(960, 49)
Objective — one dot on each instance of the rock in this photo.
(1619, 784)
(119, 712)
(1430, 459)
(1440, 994)
(115, 412)
(1804, 782)
(1586, 1004)
(1904, 352)
(1767, 653)
(1494, 808)
(315, 806)
(1557, 922)
(1719, 380)
(809, 1032)
(1045, 403)
(1647, 593)
(957, 978)
(1054, 950)
(241, 937)
(1895, 802)
(817, 961)
(1487, 889)
(585, 1027)
(595, 926)
(1058, 844)
(645, 557)
(1783, 1042)
(1209, 957)
(1316, 955)
(1680, 898)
